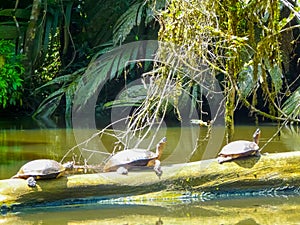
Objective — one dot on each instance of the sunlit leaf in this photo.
(291, 106)
(246, 81)
(276, 75)
(58, 80)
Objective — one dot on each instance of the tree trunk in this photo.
(229, 112)
(30, 49)
(232, 69)
(275, 172)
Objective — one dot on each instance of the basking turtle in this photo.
(42, 169)
(201, 123)
(241, 148)
(126, 159)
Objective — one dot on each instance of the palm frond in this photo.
(275, 74)
(132, 96)
(132, 17)
(110, 66)
(68, 84)
(246, 80)
(69, 95)
(140, 12)
(291, 107)
(49, 105)
(58, 80)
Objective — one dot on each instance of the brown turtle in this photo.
(126, 159)
(41, 169)
(240, 148)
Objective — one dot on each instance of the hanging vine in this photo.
(240, 40)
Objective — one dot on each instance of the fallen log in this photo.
(280, 171)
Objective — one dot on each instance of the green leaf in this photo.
(131, 18)
(132, 96)
(110, 66)
(70, 92)
(276, 75)
(62, 79)
(47, 109)
(194, 97)
(291, 106)
(286, 20)
(49, 104)
(246, 81)
(19, 13)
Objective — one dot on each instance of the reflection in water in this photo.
(22, 144)
(290, 136)
(279, 210)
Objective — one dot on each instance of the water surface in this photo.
(264, 210)
(22, 141)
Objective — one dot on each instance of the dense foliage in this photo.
(242, 41)
(127, 22)
(251, 47)
(11, 75)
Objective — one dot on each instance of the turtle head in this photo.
(160, 147)
(68, 165)
(256, 136)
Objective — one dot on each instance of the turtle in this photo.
(42, 169)
(240, 148)
(128, 158)
(201, 123)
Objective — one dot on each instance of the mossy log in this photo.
(280, 170)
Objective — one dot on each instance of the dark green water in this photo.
(22, 141)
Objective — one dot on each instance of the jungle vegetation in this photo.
(250, 47)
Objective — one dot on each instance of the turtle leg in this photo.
(257, 153)
(157, 168)
(31, 182)
(122, 170)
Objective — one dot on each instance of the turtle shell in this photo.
(129, 158)
(41, 169)
(239, 148)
